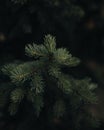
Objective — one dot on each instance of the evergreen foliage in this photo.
(19, 1)
(44, 83)
(43, 16)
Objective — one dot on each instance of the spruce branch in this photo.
(13, 108)
(17, 95)
(42, 81)
(37, 84)
(54, 70)
(50, 43)
(35, 50)
(8, 68)
(65, 84)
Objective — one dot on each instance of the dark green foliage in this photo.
(19, 1)
(43, 16)
(43, 83)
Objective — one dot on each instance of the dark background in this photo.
(77, 24)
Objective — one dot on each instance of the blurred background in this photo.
(77, 25)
